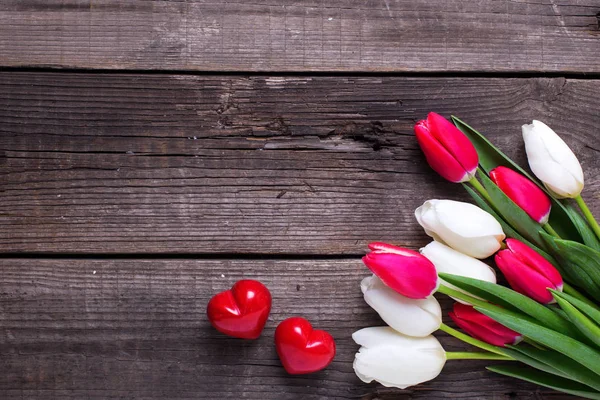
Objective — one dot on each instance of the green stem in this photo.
(472, 341)
(551, 230)
(470, 355)
(461, 296)
(568, 289)
(479, 187)
(588, 215)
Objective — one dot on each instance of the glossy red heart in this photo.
(241, 311)
(301, 349)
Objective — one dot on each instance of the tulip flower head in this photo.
(396, 360)
(552, 161)
(523, 192)
(482, 327)
(450, 261)
(462, 226)
(412, 317)
(405, 271)
(447, 150)
(528, 272)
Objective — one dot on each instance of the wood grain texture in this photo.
(277, 165)
(125, 329)
(287, 35)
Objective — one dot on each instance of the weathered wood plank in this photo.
(287, 35)
(108, 329)
(284, 165)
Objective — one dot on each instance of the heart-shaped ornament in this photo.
(301, 349)
(241, 311)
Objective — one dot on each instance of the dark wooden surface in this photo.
(277, 165)
(128, 198)
(125, 329)
(227, 166)
(313, 35)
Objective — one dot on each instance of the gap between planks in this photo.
(179, 256)
(305, 73)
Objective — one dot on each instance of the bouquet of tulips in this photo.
(546, 329)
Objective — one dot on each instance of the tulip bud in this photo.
(528, 272)
(482, 327)
(412, 317)
(405, 271)
(396, 360)
(450, 261)
(447, 150)
(552, 161)
(523, 193)
(462, 226)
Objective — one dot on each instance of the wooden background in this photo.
(154, 152)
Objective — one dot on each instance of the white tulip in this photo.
(462, 226)
(408, 316)
(396, 360)
(552, 161)
(450, 261)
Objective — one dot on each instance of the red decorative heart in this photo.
(301, 349)
(241, 311)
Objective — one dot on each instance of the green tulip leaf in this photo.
(575, 269)
(547, 380)
(508, 230)
(580, 320)
(591, 311)
(491, 157)
(511, 351)
(511, 212)
(574, 349)
(511, 300)
(589, 237)
(558, 311)
(587, 258)
(549, 360)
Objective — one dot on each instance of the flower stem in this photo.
(548, 228)
(479, 187)
(588, 215)
(468, 355)
(472, 341)
(460, 295)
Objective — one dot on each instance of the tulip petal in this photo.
(454, 141)
(412, 317)
(462, 226)
(405, 271)
(449, 261)
(389, 248)
(482, 327)
(535, 261)
(523, 192)
(552, 161)
(396, 360)
(524, 279)
(560, 152)
(439, 158)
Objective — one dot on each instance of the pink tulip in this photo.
(405, 271)
(448, 151)
(482, 327)
(528, 272)
(523, 192)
